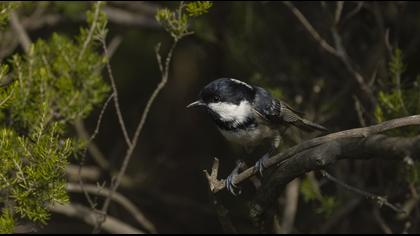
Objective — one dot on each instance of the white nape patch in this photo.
(232, 112)
(240, 82)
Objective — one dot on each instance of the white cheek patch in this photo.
(232, 112)
(240, 82)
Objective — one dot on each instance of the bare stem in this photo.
(22, 35)
(91, 30)
(378, 199)
(115, 91)
(134, 141)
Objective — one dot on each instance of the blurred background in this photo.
(262, 43)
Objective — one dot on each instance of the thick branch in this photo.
(360, 133)
(376, 146)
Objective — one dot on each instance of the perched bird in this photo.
(249, 115)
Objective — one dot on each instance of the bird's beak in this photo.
(196, 104)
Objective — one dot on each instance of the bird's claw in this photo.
(259, 165)
(231, 187)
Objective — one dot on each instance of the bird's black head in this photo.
(226, 91)
(229, 102)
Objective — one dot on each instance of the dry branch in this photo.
(375, 146)
(111, 224)
(361, 134)
(338, 50)
(21, 33)
(121, 199)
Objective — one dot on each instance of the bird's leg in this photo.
(233, 188)
(259, 165)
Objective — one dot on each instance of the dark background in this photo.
(261, 43)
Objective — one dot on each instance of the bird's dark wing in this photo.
(278, 112)
(292, 109)
(267, 107)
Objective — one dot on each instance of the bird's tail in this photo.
(309, 126)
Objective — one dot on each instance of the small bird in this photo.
(249, 115)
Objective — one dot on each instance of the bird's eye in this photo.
(216, 99)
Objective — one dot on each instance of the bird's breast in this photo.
(250, 136)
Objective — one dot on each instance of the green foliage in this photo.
(198, 8)
(311, 192)
(71, 9)
(176, 22)
(308, 189)
(396, 65)
(6, 222)
(412, 173)
(328, 205)
(396, 100)
(57, 82)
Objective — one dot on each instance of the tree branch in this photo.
(23, 37)
(110, 224)
(115, 91)
(376, 146)
(360, 133)
(91, 30)
(378, 199)
(321, 41)
(290, 207)
(121, 199)
(338, 50)
(133, 143)
(121, 16)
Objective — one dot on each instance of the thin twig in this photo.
(93, 149)
(23, 37)
(82, 131)
(7, 98)
(111, 224)
(338, 11)
(358, 108)
(378, 199)
(91, 30)
(381, 222)
(324, 44)
(115, 91)
(113, 45)
(91, 173)
(337, 51)
(121, 199)
(155, 93)
(354, 11)
(134, 141)
(121, 16)
(99, 121)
